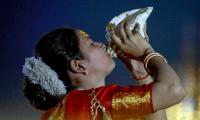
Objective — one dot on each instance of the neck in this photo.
(92, 81)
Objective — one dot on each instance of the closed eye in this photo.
(92, 44)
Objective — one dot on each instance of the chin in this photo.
(110, 67)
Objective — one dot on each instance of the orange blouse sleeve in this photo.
(53, 114)
(131, 102)
(56, 113)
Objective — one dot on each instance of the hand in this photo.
(134, 66)
(130, 42)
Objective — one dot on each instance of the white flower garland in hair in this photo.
(40, 73)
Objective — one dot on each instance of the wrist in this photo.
(154, 59)
(148, 51)
(146, 81)
(140, 78)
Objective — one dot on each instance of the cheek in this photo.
(101, 62)
(99, 58)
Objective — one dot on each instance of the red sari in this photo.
(121, 103)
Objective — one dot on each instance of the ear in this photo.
(77, 66)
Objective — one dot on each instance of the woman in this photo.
(81, 66)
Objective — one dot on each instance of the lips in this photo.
(106, 50)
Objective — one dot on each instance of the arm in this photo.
(138, 71)
(159, 115)
(167, 90)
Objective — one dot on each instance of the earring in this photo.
(77, 82)
(86, 72)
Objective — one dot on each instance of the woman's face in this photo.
(95, 53)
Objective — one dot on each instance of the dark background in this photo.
(173, 27)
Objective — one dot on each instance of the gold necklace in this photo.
(95, 105)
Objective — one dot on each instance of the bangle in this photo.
(142, 78)
(149, 56)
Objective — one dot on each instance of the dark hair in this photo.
(57, 49)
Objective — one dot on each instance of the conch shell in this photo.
(132, 17)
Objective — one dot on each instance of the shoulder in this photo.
(101, 89)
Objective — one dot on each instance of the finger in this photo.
(116, 40)
(121, 56)
(118, 50)
(122, 31)
(136, 28)
(139, 34)
(113, 46)
(128, 31)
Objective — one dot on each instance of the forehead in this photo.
(83, 36)
(83, 33)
